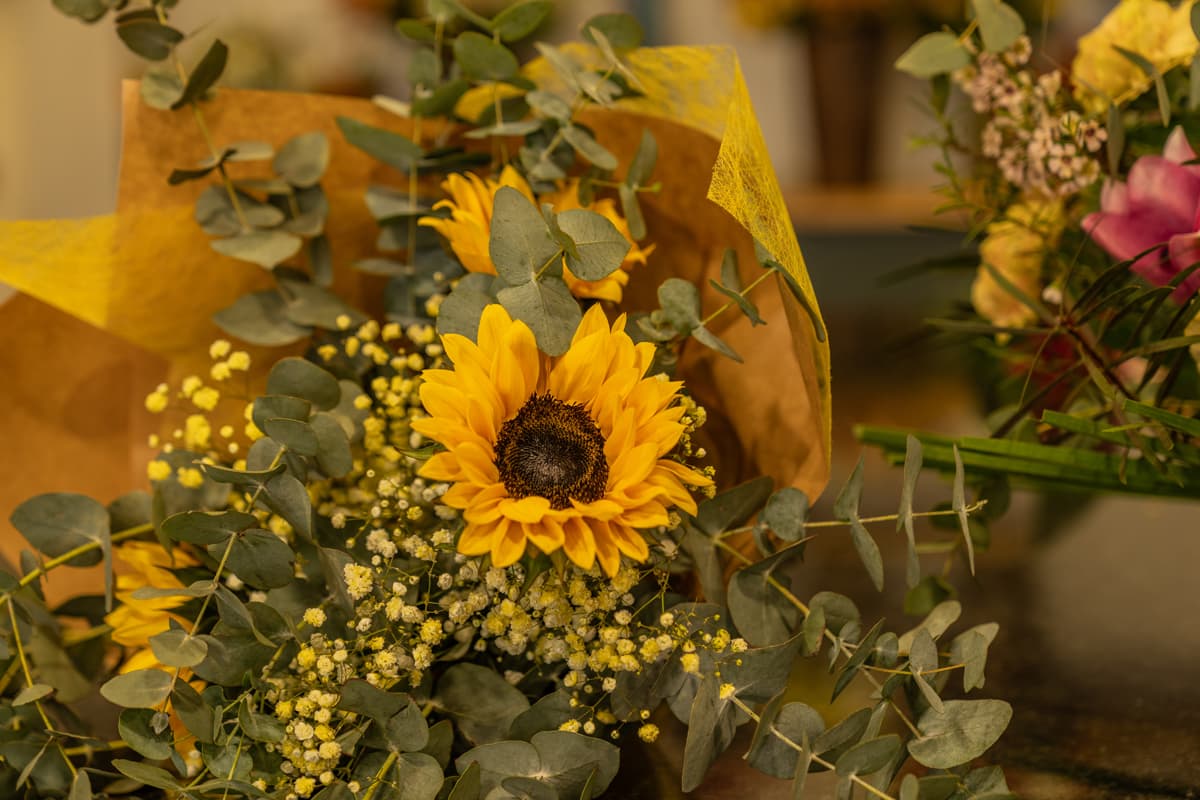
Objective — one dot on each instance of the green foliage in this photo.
(933, 54)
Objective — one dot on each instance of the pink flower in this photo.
(1155, 216)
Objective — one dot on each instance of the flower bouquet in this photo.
(512, 492)
(1081, 189)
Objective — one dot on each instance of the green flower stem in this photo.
(379, 776)
(70, 555)
(737, 701)
(8, 675)
(12, 616)
(766, 273)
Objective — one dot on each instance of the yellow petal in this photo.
(508, 543)
(475, 540)
(527, 509)
(547, 535)
(578, 543)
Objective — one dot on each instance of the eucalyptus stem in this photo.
(204, 132)
(748, 711)
(766, 273)
(12, 616)
(379, 776)
(70, 555)
(88, 749)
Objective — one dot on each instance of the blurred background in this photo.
(1099, 645)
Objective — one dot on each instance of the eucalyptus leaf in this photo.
(299, 377)
(287, 497)
(680, 301)
(206, 73)
(623, 31)
(206, 527)
(598, 247)
(148, 38)
(521, 19)
(262, 559)
(961, 733)
(136, 728)
(309, 304)
(147, 774)
(520, 244)
(548, 308)
(86, 10)
(303, 159)
(32, 693)
(393, 149)
(480, 701)
(267, 249)
(461, 310)
(259, 318)
(586, 145)
(176, 648)
(59, 522)
(999, 24)
(785, 513)
(482, 59)
(143, 688)
(912, 471)
(933, 54)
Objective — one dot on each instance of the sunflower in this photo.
(469, 228)
(567, 452)
(135, 620)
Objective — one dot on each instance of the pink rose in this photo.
(1155, 215)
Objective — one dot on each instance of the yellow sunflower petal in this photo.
(492, 324)
(508, 542)
(630, 542)
(475, 540)
(607, 552)
(527, 509)
(441, 467)
(578, 543)
(547, 534)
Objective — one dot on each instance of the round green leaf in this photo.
(258, 318)
(57, 523)
(933, 54)
(548, 308)
(303, 159)
(483, 59)
(299, 377)
(268, 249)
(143, 688)
(176, 648)
(136, 727)
(262, 559)
(962, 732)
(599, 248)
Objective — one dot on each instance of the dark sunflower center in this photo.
(554, 450)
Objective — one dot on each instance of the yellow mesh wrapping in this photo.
(149, 275)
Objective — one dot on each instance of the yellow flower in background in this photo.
(1015, 246)
(469, 228)
(134, 621)
(563, 452)
(1153, 29)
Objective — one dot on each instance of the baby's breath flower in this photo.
(239, 360)
(314, 617)
(648, 732)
